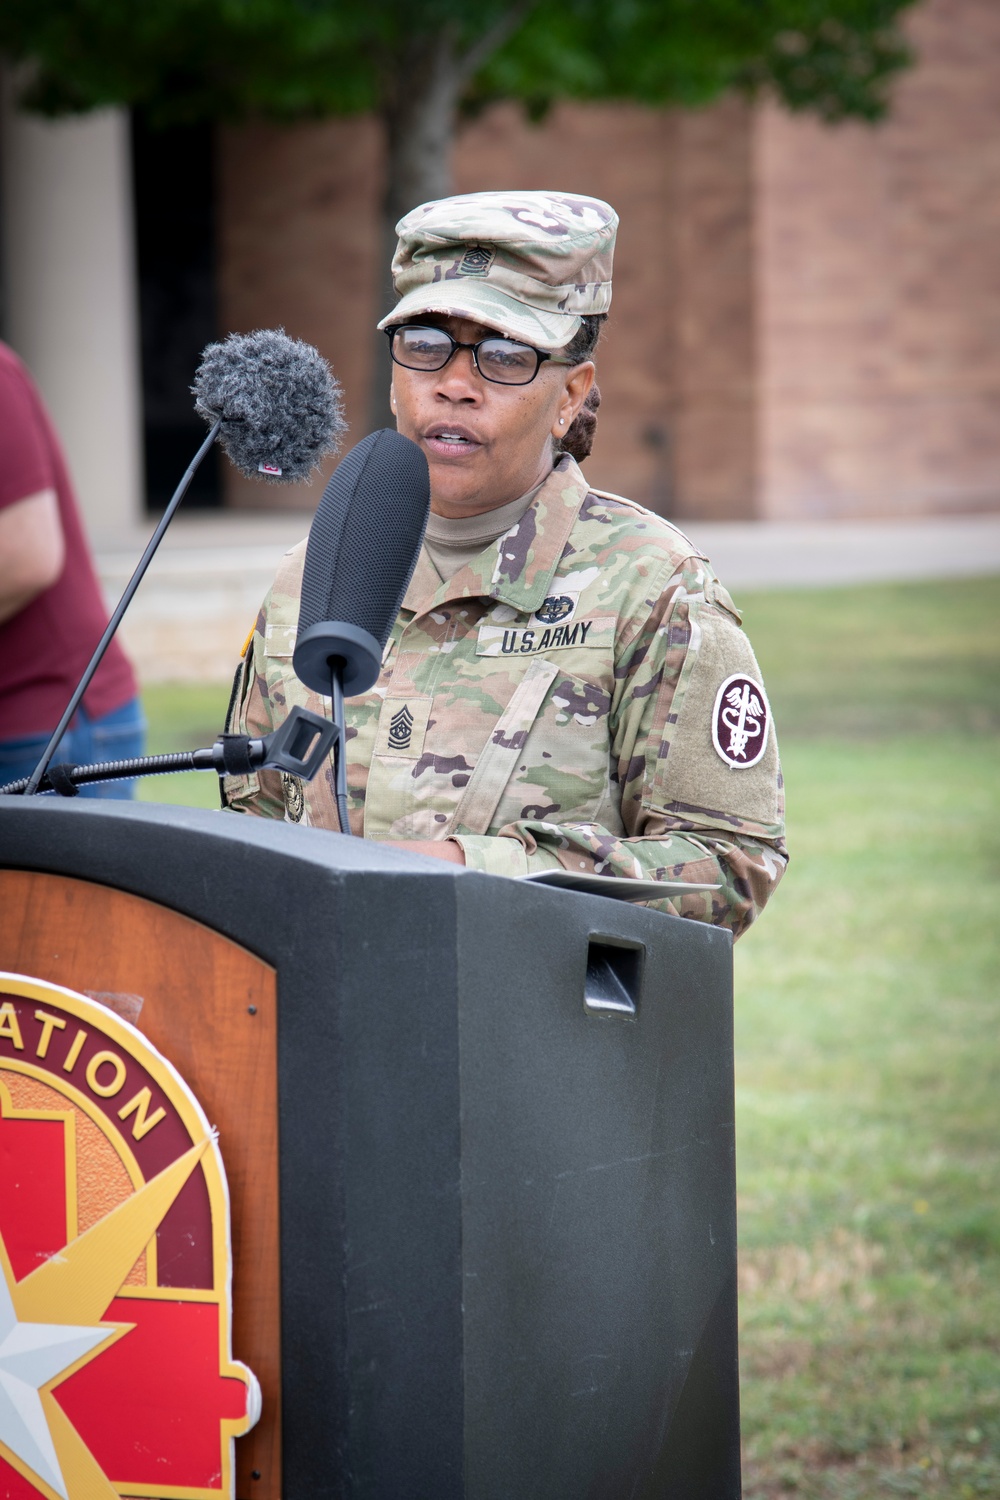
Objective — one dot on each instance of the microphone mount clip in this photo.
(299, 746)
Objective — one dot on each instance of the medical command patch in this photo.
(740, 722)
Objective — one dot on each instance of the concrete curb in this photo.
(202, 593)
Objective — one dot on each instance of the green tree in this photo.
(419, 64)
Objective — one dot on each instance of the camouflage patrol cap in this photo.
(528, 264)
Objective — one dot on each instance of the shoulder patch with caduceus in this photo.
(740, 722)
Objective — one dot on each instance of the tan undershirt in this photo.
(451, 544)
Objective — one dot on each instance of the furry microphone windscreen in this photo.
(279, 402)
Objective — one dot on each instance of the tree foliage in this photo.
(184, 60)
(419, 64)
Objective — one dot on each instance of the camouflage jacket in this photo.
(557, 702)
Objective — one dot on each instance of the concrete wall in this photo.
(69, 295)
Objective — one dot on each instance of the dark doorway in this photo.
(175, 240)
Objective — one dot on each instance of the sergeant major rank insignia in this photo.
(116, 1376)
(401, 729)
(476, 261)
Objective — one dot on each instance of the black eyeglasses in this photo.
(504, 361)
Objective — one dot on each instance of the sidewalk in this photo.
(195, 606)
(193, 609)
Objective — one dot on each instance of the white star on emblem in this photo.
(32, 1354)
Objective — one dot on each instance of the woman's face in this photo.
(485, 444)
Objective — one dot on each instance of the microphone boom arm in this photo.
(298, 747)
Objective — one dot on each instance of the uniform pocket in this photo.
(502, 750)
(562, 769)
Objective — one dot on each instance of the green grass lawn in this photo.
(184, 716)
(867, 1060)
(867, 1063)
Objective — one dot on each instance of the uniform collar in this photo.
(518, 568)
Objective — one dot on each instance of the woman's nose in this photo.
(460, 380)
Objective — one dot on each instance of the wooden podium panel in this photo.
(210, 1007)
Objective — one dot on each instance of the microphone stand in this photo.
(32, 785)
(340, 756)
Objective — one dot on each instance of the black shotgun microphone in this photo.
(363, 546)
(277, 410)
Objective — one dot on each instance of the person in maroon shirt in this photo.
(51, 611)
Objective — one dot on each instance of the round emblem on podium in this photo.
(116, 1375)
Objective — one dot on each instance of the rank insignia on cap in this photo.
(116, 1376)
(740, 722)
(555, 608)
(476, 261)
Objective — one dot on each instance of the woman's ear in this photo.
(575, 390)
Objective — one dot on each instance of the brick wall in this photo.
(806, 320)
(878, 290)
(621, 154)
(298, 248)
(675, 365)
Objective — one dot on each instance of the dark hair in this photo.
(583, 343)
(580, 438)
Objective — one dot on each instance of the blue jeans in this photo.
(119, 735)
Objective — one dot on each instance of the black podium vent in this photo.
(614, 977)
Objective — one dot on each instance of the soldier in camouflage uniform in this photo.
(579, 693)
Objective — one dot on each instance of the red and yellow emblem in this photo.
(116, 1373)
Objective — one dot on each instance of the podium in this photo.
(479, 1140)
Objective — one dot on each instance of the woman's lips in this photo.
(452, 442)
